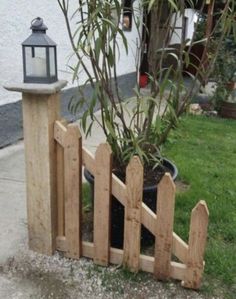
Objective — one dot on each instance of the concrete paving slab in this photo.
(12, 163)
(12, 201)
(15, 288)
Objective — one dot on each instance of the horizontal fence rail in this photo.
(71, 156)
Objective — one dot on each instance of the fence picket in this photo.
(60, 185)
(197, 243)
(133, 208)
(102, 198)
(164, 227)
(60, 191)
(73, 185)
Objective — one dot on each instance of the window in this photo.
(127, 15)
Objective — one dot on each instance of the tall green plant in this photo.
(95, 43)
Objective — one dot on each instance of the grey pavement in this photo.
(12, 201)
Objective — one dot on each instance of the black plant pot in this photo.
(117, 209)
(228, 110)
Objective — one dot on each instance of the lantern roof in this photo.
(38, 36)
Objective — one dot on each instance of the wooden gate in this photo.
(71, 156)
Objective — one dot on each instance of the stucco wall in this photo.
(15, 19)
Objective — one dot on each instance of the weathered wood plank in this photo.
(179, 248)
(197, 244)
(60, 132)
(60, 182)
(132, 231)
(148, 218)
(102, 204)
(164, 227)
(61, 244)
(146, 262)
(177, 270)
(39, 114)
(73, 185)
(88, 161)
(118, 189)
(60, 191)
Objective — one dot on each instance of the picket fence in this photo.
(71, 156)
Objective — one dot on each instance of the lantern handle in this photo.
(38, 25)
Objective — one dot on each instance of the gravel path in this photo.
(31, 275)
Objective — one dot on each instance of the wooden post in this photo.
(73, 189)
(102, 198)
(197, 243)
(133, 209)
(40, 110)
(164, 227)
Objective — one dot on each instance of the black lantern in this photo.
(39, 55)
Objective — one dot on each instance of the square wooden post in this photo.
(40, 111)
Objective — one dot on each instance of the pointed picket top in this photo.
(134, 165)
(134, 178)
(167, 182)
(164, 227)
(134, 170)
(74, 128)
(198, 228)
(200, 208)
(197, 245)
(103, 149)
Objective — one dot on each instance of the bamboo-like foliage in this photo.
(96, 43)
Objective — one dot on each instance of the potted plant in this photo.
(153, 116)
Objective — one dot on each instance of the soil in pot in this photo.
(149, 198)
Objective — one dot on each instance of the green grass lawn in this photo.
(204, 150)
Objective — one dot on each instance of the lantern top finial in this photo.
(37, 25)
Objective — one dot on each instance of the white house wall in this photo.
(15, 19)
(192, 18)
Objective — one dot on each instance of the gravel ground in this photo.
(32, 275)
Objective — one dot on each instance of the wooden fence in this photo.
(71, 156)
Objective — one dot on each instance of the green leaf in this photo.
(98, 48)
(110, 128)
(173, 4)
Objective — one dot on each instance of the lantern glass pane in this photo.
(28, 61)
(36, 65)
(39, 62)
(52, 62)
